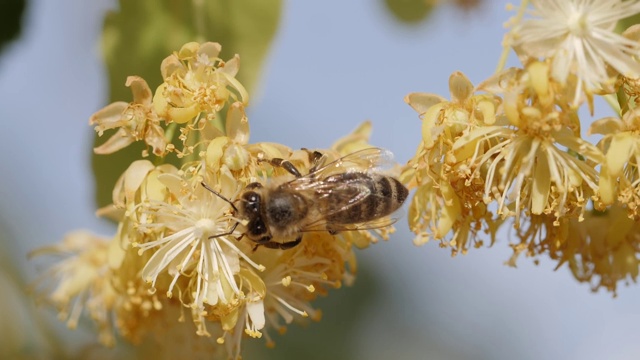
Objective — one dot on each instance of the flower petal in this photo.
(421, 102)
(210, 49)
(117, 141)
(357, 140)
(140, 89)
(182, 115)
(606, 126)
(237, 124)
(618, 153)
(460, 86)
(541, 184)
(109, 116)
(132, 178)
(215, 149)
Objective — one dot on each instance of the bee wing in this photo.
(352, 192)
(369, 159)
(365, 160)
(321, 225)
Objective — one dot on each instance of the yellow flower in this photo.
(179, 232)
(523, 161)
(197, 81)
(136, 121)
(448, 196)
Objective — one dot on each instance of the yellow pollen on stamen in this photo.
(253, 333)
(286, 281)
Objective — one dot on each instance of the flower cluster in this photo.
(179, 253)
(509, 150)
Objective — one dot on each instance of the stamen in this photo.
(290, 307)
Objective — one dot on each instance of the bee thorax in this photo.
(285, 209)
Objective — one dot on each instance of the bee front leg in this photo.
(230, 232)
(316, 159)
(285, 164)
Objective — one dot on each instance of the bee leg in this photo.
(262, 241)
(230, 232)
(291, 244)
(285, 164)
(316, 158)
(282, 246)
(331, 230)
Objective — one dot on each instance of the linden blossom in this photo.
(449, 196)
(512, 148)
(578, 36)
(135, 121)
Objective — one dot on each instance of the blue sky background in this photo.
(333, 65)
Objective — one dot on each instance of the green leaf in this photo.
(11, 20)
(143, 32)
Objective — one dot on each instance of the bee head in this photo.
(251, 201)
(251, 210)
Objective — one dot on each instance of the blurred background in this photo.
(326, 67)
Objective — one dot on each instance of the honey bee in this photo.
(344, 195)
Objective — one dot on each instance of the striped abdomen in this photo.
(362, 197)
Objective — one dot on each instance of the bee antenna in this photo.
(220, 196)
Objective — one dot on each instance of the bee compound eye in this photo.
(252, 202)
(257, 227)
